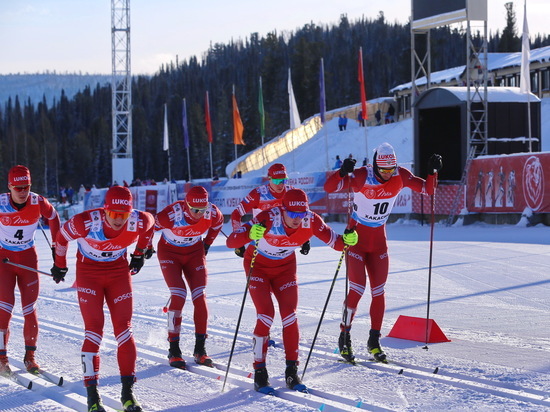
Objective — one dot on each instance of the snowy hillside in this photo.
(489, 295)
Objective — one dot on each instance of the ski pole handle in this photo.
(7, 261)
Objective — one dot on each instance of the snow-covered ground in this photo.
(489, 295)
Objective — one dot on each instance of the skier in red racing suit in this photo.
(276, 233)
(181, 249)
(375, 188)
(20, 213)
(104, 276)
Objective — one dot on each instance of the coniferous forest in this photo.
(69, 142)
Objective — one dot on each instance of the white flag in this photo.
(165, 143)
(293, 108)
(525, 77)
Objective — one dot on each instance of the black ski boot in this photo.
(344, 344)
(174, 355)
(261, 381)
(129, 402)
(94, 400)
(199, 353)
(373, 346)
(292, 379)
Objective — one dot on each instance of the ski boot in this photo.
(129, 402)
(174, 355)
(344, 344)
(30, 363)
(94, 400)
(261, 381)
(292, 379)
(4, 366)
(199, 353)
(373, 346)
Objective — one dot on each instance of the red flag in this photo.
(361, 80)
(207, 119)
(238, 127)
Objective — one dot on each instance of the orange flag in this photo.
(207, 119)
(362, 85)
(238, 127)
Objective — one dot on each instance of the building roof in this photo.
(455, 95)
(495, 61)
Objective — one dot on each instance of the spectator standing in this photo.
(338, 163)
(360, 118)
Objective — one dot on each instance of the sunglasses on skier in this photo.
(21, 188)
(387, 170)
(115, 215)
(197, 209)
(294, 215)
(278, 181)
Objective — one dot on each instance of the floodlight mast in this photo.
(121, 92)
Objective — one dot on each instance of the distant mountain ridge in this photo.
(36, 86)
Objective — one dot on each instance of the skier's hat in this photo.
(19, 176)
(118, 198)
(277, 171)
(384, 156)
(295, 200)
(197, 197)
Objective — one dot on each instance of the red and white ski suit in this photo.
(274, 272)
(102, 276)
(258, 199)
(17, 230)
(372, 204)
(181, 250)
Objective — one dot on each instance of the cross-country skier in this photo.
(265, 197)
(182, 249)
(276, 233)
(20, 212)
(375, 188)
(103, 275)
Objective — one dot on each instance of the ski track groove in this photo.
(70, 396)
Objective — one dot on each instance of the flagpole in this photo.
(166, 145)
(322, 104)
(186, 138)
(211, 165)
(525, 77)
(262, 122)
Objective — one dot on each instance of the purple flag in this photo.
(322, 92)
(185, 129)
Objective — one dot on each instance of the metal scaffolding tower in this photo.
(121, 86)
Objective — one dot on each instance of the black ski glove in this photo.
(136, 263)
(435, 164)
(58, 274)
(206, 247)
(347, 167)
(239, 251)
(149, 252)
(304, 250)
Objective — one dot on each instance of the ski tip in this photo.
(400, 372)
(29, 386)
(271, 343)
(436, 370)
(60, 383)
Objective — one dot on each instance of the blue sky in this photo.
(75, 35)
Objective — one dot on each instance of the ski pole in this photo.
(44, 232)
(430, 268)
(7, 261)
(325, 308)
(346, 288)
(165, 308)
(240, 313)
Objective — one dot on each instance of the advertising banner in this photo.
(509, 183)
